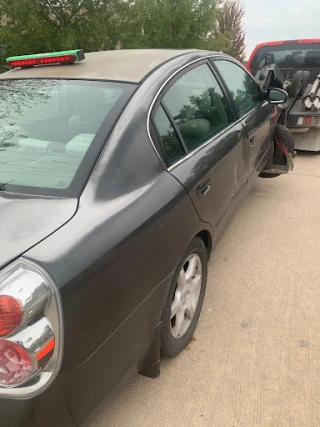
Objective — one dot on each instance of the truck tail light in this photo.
(31, 332)
(308, 121)
(10, 314)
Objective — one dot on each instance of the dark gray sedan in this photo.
(118, 174)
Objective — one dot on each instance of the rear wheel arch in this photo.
(206, 237)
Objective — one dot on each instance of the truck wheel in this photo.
(184, 302)
(279, 158)
(285, 136)
(296, 84)
(304, 82)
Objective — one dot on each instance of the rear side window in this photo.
(244, 90)
(198, 107)
(171, 144)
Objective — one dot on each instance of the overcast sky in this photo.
(267, 20)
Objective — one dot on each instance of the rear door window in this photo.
(197, 106)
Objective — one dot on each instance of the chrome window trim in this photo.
(197, 149)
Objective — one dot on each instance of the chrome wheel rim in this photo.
(186, 296)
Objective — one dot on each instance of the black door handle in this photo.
(253, 140)
(203, 188)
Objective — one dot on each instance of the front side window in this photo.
(48, 126)
(244, 90)
(198, 106)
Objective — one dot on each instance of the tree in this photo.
(228, 33)
(35, 26)
(168, 23)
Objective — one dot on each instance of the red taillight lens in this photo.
(308, 121)
(16, 365)
(10, 314)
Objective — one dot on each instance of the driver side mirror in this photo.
(276, 96)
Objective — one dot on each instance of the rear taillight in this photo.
(16, 364)
(10, 314)
(30, 330)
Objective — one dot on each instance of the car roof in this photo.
(120, 65)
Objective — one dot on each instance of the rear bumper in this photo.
(309, 141)
(13, 413)
(50, 409)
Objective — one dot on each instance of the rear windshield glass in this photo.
(48, 132)
(295, 55)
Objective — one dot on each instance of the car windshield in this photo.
(49, 132)
(290, 56)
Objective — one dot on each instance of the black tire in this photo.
(296, 84)
(284, 135)
(304, 82)
(171, 346)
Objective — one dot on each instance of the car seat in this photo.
(288, 62)
(312, 64)
(312, 58)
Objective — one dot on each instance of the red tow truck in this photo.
(293, 65)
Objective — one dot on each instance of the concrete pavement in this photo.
(255, 360)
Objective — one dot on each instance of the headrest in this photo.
(12, 134)
(36, 145)
(289, 58)
(271, 56)
(78, 146)
(312, 57)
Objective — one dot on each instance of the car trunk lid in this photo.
(26, 220)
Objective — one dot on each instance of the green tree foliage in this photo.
(35, 26)
(228, 31)
(169, 23)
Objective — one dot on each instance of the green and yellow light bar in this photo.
(64, 57)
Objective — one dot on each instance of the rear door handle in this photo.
(253, 140)
(203, 188)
